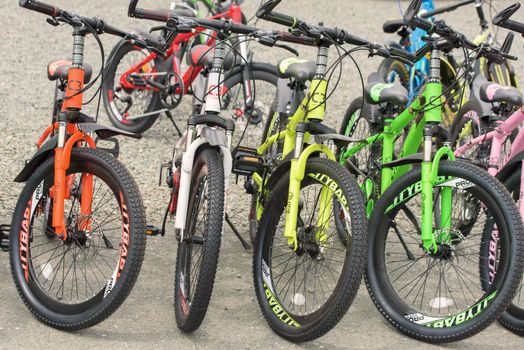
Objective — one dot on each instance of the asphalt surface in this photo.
(146, 319)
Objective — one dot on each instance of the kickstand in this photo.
(235, 231)
(170, 116)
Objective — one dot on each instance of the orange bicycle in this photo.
(78, 231)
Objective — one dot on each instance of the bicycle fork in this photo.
(61, 186)
(297, 174)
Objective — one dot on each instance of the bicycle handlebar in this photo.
(99, 25)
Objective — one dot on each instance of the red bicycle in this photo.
(141, 85)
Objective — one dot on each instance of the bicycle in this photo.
(498, 148)
(414, 78)
(291, 235)
(141, 85)
(408, 257)
(78, 228)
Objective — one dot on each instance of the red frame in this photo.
(234, 13)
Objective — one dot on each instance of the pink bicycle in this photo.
(496, 140)
(493, 139)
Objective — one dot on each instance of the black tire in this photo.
(320, 319)
(265, 78)
(468, 125)
(513, 318)
(191, 303)
(96, 303)
(488, 304)
(394, 71)
(150, 100)
(356, 124)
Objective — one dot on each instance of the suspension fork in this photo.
(72, 104)
(297, 174)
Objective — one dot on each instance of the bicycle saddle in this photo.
(378, 93)
(301, 70)
(59, 69)
(393, 25)
(202, 55)
(492, 92)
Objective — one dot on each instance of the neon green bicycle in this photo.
(308, 262)
(429, 271)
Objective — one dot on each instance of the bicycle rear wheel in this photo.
(78, 282)
(513, 317)
(125, 106)
(444, 296)
(197, 256)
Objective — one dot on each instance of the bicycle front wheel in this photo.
(304, 293)
(197, 257)
(447, 295)
(76, 283)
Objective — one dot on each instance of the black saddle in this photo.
(59, 69)
(301, 70)
(378, 93)
(492, 92)
(202, 55)
(393, 25)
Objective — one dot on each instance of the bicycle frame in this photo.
(419, 133)
(498, 137)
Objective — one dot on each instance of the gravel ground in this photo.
(146, 319)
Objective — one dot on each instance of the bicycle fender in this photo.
(38, 158)
(511, 166)
(105, 132)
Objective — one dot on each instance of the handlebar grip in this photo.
(514, 26)
(280, 18)
(160, 16)
(402, 54)
(355, 40)
(38, 6)
(225, 25)
(423, 24)
(109, 29)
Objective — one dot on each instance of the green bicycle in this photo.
(427, 270)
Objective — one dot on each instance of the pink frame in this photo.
(498, 137)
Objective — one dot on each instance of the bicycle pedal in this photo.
(153, 231)
(246, 161)
(4, 237)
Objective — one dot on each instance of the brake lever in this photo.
(52, 21)
(402, 59)
(181, 27)
(157, 28)
(288, 48)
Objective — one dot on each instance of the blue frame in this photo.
(418, 72)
